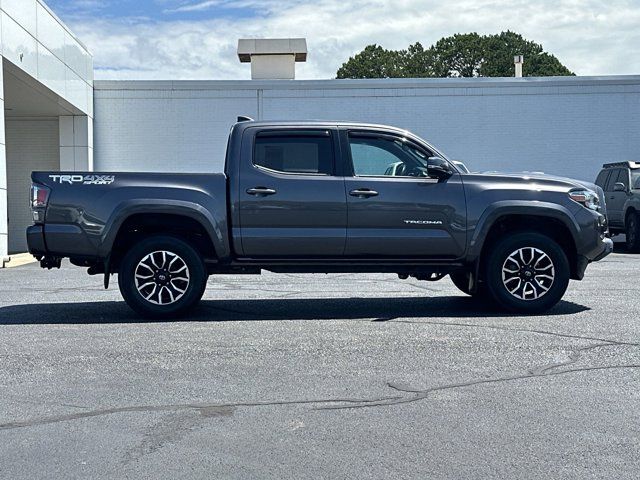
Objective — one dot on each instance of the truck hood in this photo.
(572, 182)
(543, 177)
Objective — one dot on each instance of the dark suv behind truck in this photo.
(621, 184)
(321, 197)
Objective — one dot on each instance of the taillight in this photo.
(39, 199)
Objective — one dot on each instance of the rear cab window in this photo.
(301, 152)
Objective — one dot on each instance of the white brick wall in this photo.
(32, 144)
(4, 239)
(566, 126)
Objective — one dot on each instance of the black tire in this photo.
(171, 290)
(523, 288)
(633, 232)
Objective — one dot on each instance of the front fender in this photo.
(518, 207)
(214, 223)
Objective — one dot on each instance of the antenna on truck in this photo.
(242, 118)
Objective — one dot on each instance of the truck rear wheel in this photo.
(162, 277)
(527, 272)
(633, 232)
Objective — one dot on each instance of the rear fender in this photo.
(214, 223)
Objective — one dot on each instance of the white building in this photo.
(567, 126)
(46, 90)
(561, 125)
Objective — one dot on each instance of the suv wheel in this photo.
(633, 232)
(162, 277)
(527, 272)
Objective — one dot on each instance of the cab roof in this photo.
(629, 164)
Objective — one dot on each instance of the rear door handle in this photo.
(363, 193)
(261, 191)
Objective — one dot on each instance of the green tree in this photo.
(460, 55)
(373, 62)
(499, 52)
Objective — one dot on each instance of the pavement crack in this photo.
(205, 409)
(220, 409)
(422, 394)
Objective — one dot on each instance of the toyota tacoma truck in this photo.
(321, 197)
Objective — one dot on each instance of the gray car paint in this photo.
(310, 216)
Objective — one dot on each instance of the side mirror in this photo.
(438, 168)
(619, 187)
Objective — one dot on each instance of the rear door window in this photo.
(601, 181)
(307, 152)
(613, 178)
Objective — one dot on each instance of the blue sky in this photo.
(158, 10)
(196, 39)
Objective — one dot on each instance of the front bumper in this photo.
(608, 248)
(605, 248)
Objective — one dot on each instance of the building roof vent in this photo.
(272, 58)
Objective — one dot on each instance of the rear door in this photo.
(395, 209)
(616, 200)
(292, 203)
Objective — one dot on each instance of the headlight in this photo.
(586, 198)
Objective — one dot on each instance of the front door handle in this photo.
(363, 193)
(261, 191)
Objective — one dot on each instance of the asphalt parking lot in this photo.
(319, 376)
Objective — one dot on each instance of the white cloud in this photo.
(591, 37)
(194, 7)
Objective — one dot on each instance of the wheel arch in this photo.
(551, 220)
(629, 210)
(188, 222)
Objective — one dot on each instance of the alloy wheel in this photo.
(528, 273)
(162, 277)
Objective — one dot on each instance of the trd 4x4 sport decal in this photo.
(84, 179)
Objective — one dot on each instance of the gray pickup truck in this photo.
(323, 197)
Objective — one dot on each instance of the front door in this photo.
(395, 209)
(291, 203)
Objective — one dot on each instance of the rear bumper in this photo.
(59, 240)
(35, 240)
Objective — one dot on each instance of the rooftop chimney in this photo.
(272, 58)
(518, 60)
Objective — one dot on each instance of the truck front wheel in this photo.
(162, 277)
(527, 272)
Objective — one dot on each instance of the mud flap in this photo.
(107, 271)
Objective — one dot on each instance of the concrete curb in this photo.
(18, 260)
